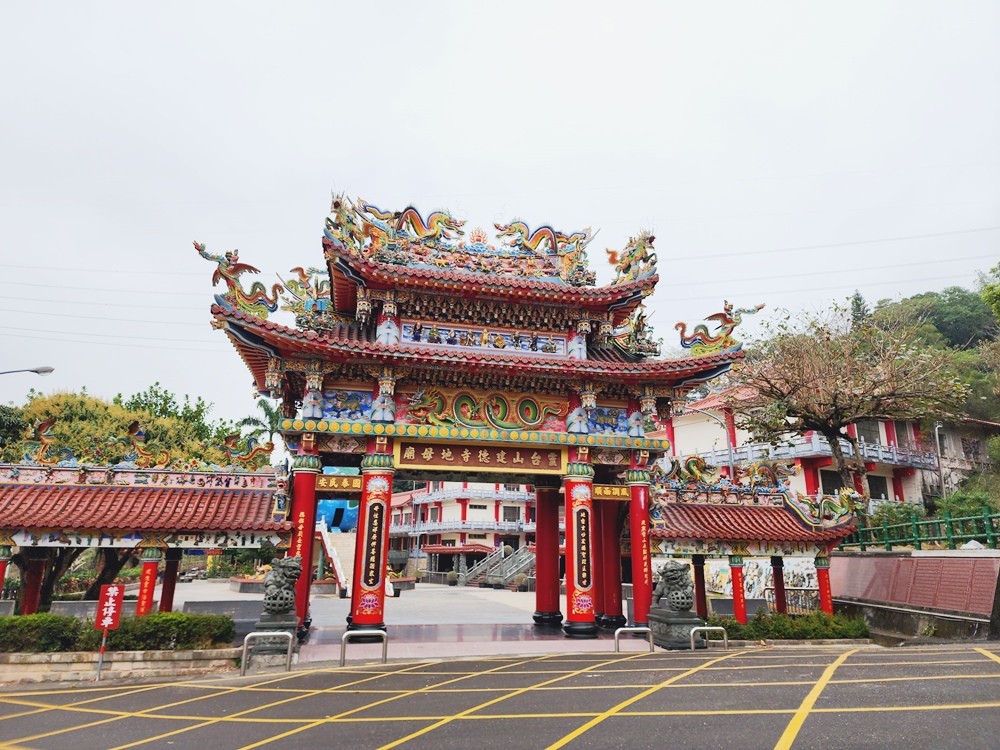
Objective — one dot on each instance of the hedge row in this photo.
(153, 632)
(814, 626)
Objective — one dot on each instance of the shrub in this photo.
(893, 513)
(160, 631)
(39, 633)
(774, 625)
(965, 502)
(170, 630)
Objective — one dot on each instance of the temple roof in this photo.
(113, 508)
(258, 339)
(346, 273)
(740, 523)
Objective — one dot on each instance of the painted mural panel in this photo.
(608, 420)
(347, 404)
(478, 337)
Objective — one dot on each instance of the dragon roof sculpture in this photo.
(363, 231)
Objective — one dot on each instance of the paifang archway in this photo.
(418, 351)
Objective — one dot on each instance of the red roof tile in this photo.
(742, 523)
(118, 508)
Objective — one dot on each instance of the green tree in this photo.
(265, 426)
(96, 432)
(991, 291)
(859, 309)
(822, 373)
(12, 424)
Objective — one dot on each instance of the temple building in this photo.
(427, 353)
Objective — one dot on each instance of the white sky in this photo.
(785, 153)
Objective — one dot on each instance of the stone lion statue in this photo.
(674, 590)
(279, 585)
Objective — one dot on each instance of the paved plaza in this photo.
(485, 678)
(942, 697)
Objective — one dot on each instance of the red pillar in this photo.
(371, 556)
(637, 479)
(170, 571)
(37, 561)
(598, 561)
(305, 466)
(700, 595)
(579, 490)
(612, 566)
(147, 580)
(547, 557)
(668, 428)
(810, 472)
(823, 578)
(778, 581)
(739, 597)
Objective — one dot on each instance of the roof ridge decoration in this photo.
(701, 341)
(692, 480)
(256, 301)
(244, 455)
(363, 231)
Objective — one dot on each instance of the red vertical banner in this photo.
(823, 580)
(368, 586)
(109, 607)
(147, 581)
(579, 488)
(739, 596)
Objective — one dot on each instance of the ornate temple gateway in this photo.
(422, 351)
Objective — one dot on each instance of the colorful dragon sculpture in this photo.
(636, 260)
(253, 455)
(769, 474)
(701, 341)
(826, 511)
(492, 410)
(139, 454)
(256, 301)
(693, 469)
(39, 444)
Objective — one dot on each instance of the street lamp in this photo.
(937, 448)
(680, 408)
(36, 370)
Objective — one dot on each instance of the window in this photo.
(512, 513)
(512, 487)
(830, 482)
(868, 431)
(435, 512)
(904, 435)
(879, 487)
(477, 536)
(972, 449)
(476, 507)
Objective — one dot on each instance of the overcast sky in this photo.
(785, 153)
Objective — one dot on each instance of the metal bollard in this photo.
(267, 634)
(348, 635)
(619, 631)
(711, 629)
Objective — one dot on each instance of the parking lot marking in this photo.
(988, 654)
(792, 730)
(626, 703)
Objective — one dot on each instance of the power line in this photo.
(99, 317)
(108, 343)
(101, 335)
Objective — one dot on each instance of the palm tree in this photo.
(267, 425)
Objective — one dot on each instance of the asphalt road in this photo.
(939, 697)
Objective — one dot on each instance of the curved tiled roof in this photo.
(742, 523)
(350, 341)
(130, 508)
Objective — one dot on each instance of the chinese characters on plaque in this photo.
(410, 454)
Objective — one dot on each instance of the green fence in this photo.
(919, 532)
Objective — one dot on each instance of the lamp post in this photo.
(937, 448)
(36, 370)
(680, 408)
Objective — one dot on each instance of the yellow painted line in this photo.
(915, 678)
(427, 689)
(626, 703)
(792, 730)
(202, 722)
(510, 694)
(989, 654)
(895, 709)
(149, 712)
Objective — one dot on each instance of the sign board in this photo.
(109, 607)
(619, 492)
(410, 454)
(338, 483)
